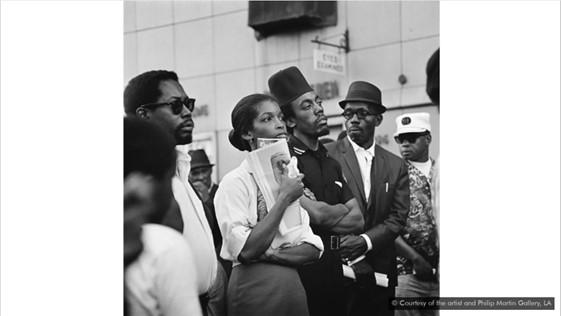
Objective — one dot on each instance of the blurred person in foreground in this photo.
(157, 96)
(264, 279)
(162, 280)
(417, 247)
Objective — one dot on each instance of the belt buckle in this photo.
(334, 242)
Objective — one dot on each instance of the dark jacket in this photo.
(386, 212)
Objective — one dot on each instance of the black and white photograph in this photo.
(280, 158)
(354, 88)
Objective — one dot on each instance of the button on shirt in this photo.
(364, 157)
(196, 230)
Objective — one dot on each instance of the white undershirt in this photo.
(364, 158)
(424, 167)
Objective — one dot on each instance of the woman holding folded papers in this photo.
(264, 279)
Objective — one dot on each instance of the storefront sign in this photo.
(327, 61)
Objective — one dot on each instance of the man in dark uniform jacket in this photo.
(380, 183)
(331, 205)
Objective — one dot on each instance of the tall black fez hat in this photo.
(362, 91)
(433, 77)
(199, 159)
(288, 84)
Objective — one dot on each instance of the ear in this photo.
(248, 136)
(291, 122)
(378, 118)
(429, 138)
(142, 113)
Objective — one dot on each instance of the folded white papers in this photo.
(268, 163)
(381, 279)
(348, 272)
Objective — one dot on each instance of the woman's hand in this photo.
(291, 188)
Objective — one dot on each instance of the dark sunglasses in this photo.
(360, 113)
(409, 137)
(176, 105)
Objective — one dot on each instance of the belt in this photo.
(334, 242)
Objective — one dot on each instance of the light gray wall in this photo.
(218, 59)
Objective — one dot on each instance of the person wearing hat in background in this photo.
(200, 177)
(379, 182)
(417, 246)
(332, 208)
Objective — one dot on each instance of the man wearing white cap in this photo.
(417, 245)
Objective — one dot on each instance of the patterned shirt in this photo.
(420, 230)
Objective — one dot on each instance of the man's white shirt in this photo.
(364, 158)
(196, 229)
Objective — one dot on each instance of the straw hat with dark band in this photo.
(362, 91)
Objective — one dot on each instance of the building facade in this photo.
(220, 59)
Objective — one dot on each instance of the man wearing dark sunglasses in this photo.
(378, 180)
(417, 245)
(162, 101)
(157, 96)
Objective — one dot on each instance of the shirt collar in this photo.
(183, 161)
(357, 148)
(299, 148)
(181, 154)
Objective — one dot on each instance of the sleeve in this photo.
(386, 232)
(308, 235)
(176, 281)
(231, 204)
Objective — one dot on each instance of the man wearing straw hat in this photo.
(379, 182)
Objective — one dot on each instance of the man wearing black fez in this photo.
(380, 183)
(332, 208)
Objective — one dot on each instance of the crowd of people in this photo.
(368, 219)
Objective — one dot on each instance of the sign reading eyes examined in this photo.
(329, 62)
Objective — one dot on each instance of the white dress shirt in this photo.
(364, 157)
(196, 229)
(163, 280)
(236, 212)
